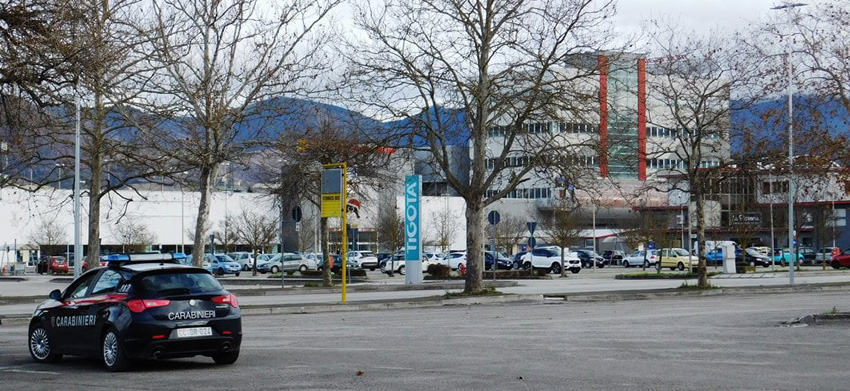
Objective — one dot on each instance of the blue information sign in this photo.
(412, 217)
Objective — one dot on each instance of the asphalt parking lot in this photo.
(706, 343)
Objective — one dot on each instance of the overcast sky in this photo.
(698, 15)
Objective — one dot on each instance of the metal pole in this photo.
(78, 250)
(772, 240)
(593, 259)
(280, 249)
(182, 219)
(344, 246)
(791, 187)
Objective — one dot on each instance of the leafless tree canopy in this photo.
(216, 64)
(457, 70)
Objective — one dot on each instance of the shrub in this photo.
(438, 270)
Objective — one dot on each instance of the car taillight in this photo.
(140, 305)
(226, 299)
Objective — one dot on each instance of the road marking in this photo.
(16, 370)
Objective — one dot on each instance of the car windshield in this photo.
(182, 281)
(681, 252)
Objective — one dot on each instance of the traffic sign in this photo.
(532, 242)
(296, 214)
(652, 245)
(493, 217)
(532, 225)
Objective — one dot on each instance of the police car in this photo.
(140, 306)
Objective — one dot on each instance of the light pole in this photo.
(772, 242)
(791, 187)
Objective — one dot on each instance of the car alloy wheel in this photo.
(39, 344)
(303, 268)
(526, 266)
(401, 270)
(556, 268)
(275, 269)
(113, 353)
(680, 266)
(626, 264)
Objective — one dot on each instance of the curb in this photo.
(437, 301)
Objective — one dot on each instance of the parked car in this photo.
(755, 258)
(140, 309)
(456, 259)
(288, 262)
(364, 259)
(518, 259)
(809, 254)
(502, 261)
(613, 257)
(397, 264)
(783, 257)
(825, 254)
(588, 256)
(436, 258)
(641, 257)
(549, 258)
(763, 250)
(715, 257)
(58, 264)
(841, 260)
(243, 258)
(676, 258)
(221, 264)
(337, 264)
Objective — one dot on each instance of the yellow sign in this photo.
(331, 205)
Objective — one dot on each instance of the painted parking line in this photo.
(29, 371)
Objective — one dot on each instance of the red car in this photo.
(58, 264)
(841, 260)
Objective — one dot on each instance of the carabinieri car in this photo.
(139, 306)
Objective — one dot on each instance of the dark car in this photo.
(613, 257)
(587, 258)
(336, 268)
(502, 261)
(518, 259)
(139, 306)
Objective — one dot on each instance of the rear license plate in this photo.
(194, 332)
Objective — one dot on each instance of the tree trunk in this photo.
(206, 179)
(701, 270)
(474, 246)
(323, 241)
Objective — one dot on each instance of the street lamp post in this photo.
(791, 187)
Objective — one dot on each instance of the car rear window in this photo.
(182, 281)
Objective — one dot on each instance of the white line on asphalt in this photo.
(13, 369)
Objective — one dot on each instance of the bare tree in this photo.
(510, 231)
(227, 234)
(390, 229)
(47, 234)
(133, 235)
(481, 74)
(256, 230)
(445, 225)
(217, 64)
(689, 93)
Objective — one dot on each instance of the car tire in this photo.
(237, 274)
(516, 266)
(275, 269)
(226, 358)
(680, 266)
(371, 269)
(835, 265)
(219, 272)
(112, 350)
(575, 270)
(303, 268)
(526, 266)
(626, 264)
(401, 270)
(555, 268)
(39, 345)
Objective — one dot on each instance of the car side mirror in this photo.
(56, 295)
